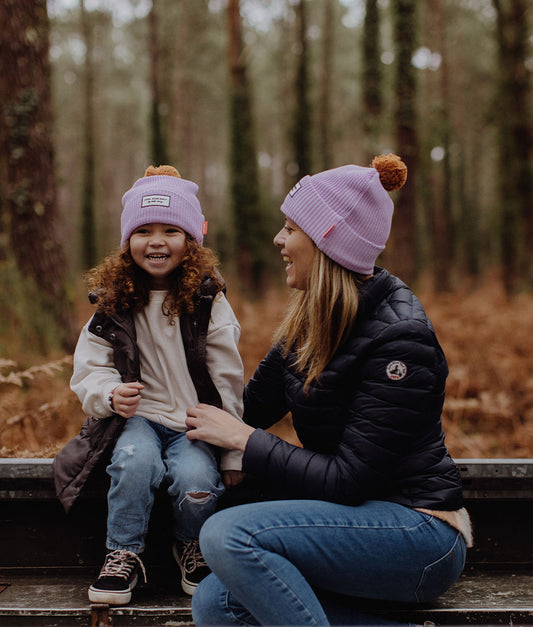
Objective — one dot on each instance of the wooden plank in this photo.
(479, 597)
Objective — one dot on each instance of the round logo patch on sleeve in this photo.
(396, 370)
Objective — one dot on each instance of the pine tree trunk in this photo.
(245, 197)
(302, 113)
(158, 142)
(443, 251)
(372, 78)
(403, 259)
(29, 189)
(88, 219)
(516, 143)
(325, 87)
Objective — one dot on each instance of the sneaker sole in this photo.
(186, 586)
(111, 597)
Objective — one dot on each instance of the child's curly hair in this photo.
(119, 284)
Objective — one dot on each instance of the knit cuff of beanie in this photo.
(347, 211)
(162, 196)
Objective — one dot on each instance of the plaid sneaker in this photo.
(117, 578)
(191, 562)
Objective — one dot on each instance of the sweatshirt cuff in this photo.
(107, 395)
(231, 460)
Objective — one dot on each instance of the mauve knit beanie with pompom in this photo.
(162, 196)
(347, 211)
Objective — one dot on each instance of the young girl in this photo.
(141, 357)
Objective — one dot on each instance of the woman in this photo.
(372, 500)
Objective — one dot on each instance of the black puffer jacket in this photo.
(370, 427)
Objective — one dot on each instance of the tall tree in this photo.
(302, 120)
(28, 181)
(467, 60)
(325, 112)
(245, 196)
(442, 200)
(88, 219)
(405, 119)
(372, 77)
(158, 140)
(515, 142)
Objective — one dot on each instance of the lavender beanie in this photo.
(162, 196)
(347, 211)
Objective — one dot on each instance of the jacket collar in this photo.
(372, 292)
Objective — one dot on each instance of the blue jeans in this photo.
(278, 562)
(146, 456)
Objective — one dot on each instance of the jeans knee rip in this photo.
(197, 500)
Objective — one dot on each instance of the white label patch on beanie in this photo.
(294, 189)
(396, 370)
(156, 200)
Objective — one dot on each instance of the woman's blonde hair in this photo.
(320, 318)
(119, 284)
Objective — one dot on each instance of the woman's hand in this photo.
(217, 427)
(126, 397)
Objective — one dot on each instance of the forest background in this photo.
(245, 97)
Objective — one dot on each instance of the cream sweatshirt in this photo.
(169, 389)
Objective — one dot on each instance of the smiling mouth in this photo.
(158, 257)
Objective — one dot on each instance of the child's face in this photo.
(158, 249)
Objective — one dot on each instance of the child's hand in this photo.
(232, 478)
(126, 397)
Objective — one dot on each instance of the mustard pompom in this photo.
(392, 171)
(162, 170)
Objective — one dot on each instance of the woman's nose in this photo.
(278, 240)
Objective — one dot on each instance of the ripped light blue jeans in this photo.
(303, 562)
(146, 456)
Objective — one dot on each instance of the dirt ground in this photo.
(488, 341)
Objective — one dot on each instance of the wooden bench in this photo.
(48, 559)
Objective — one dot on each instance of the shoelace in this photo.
(192, 557)
(120, 563)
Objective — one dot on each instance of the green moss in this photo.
(27, 327)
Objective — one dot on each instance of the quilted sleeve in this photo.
(264, 395)
(392, 414)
